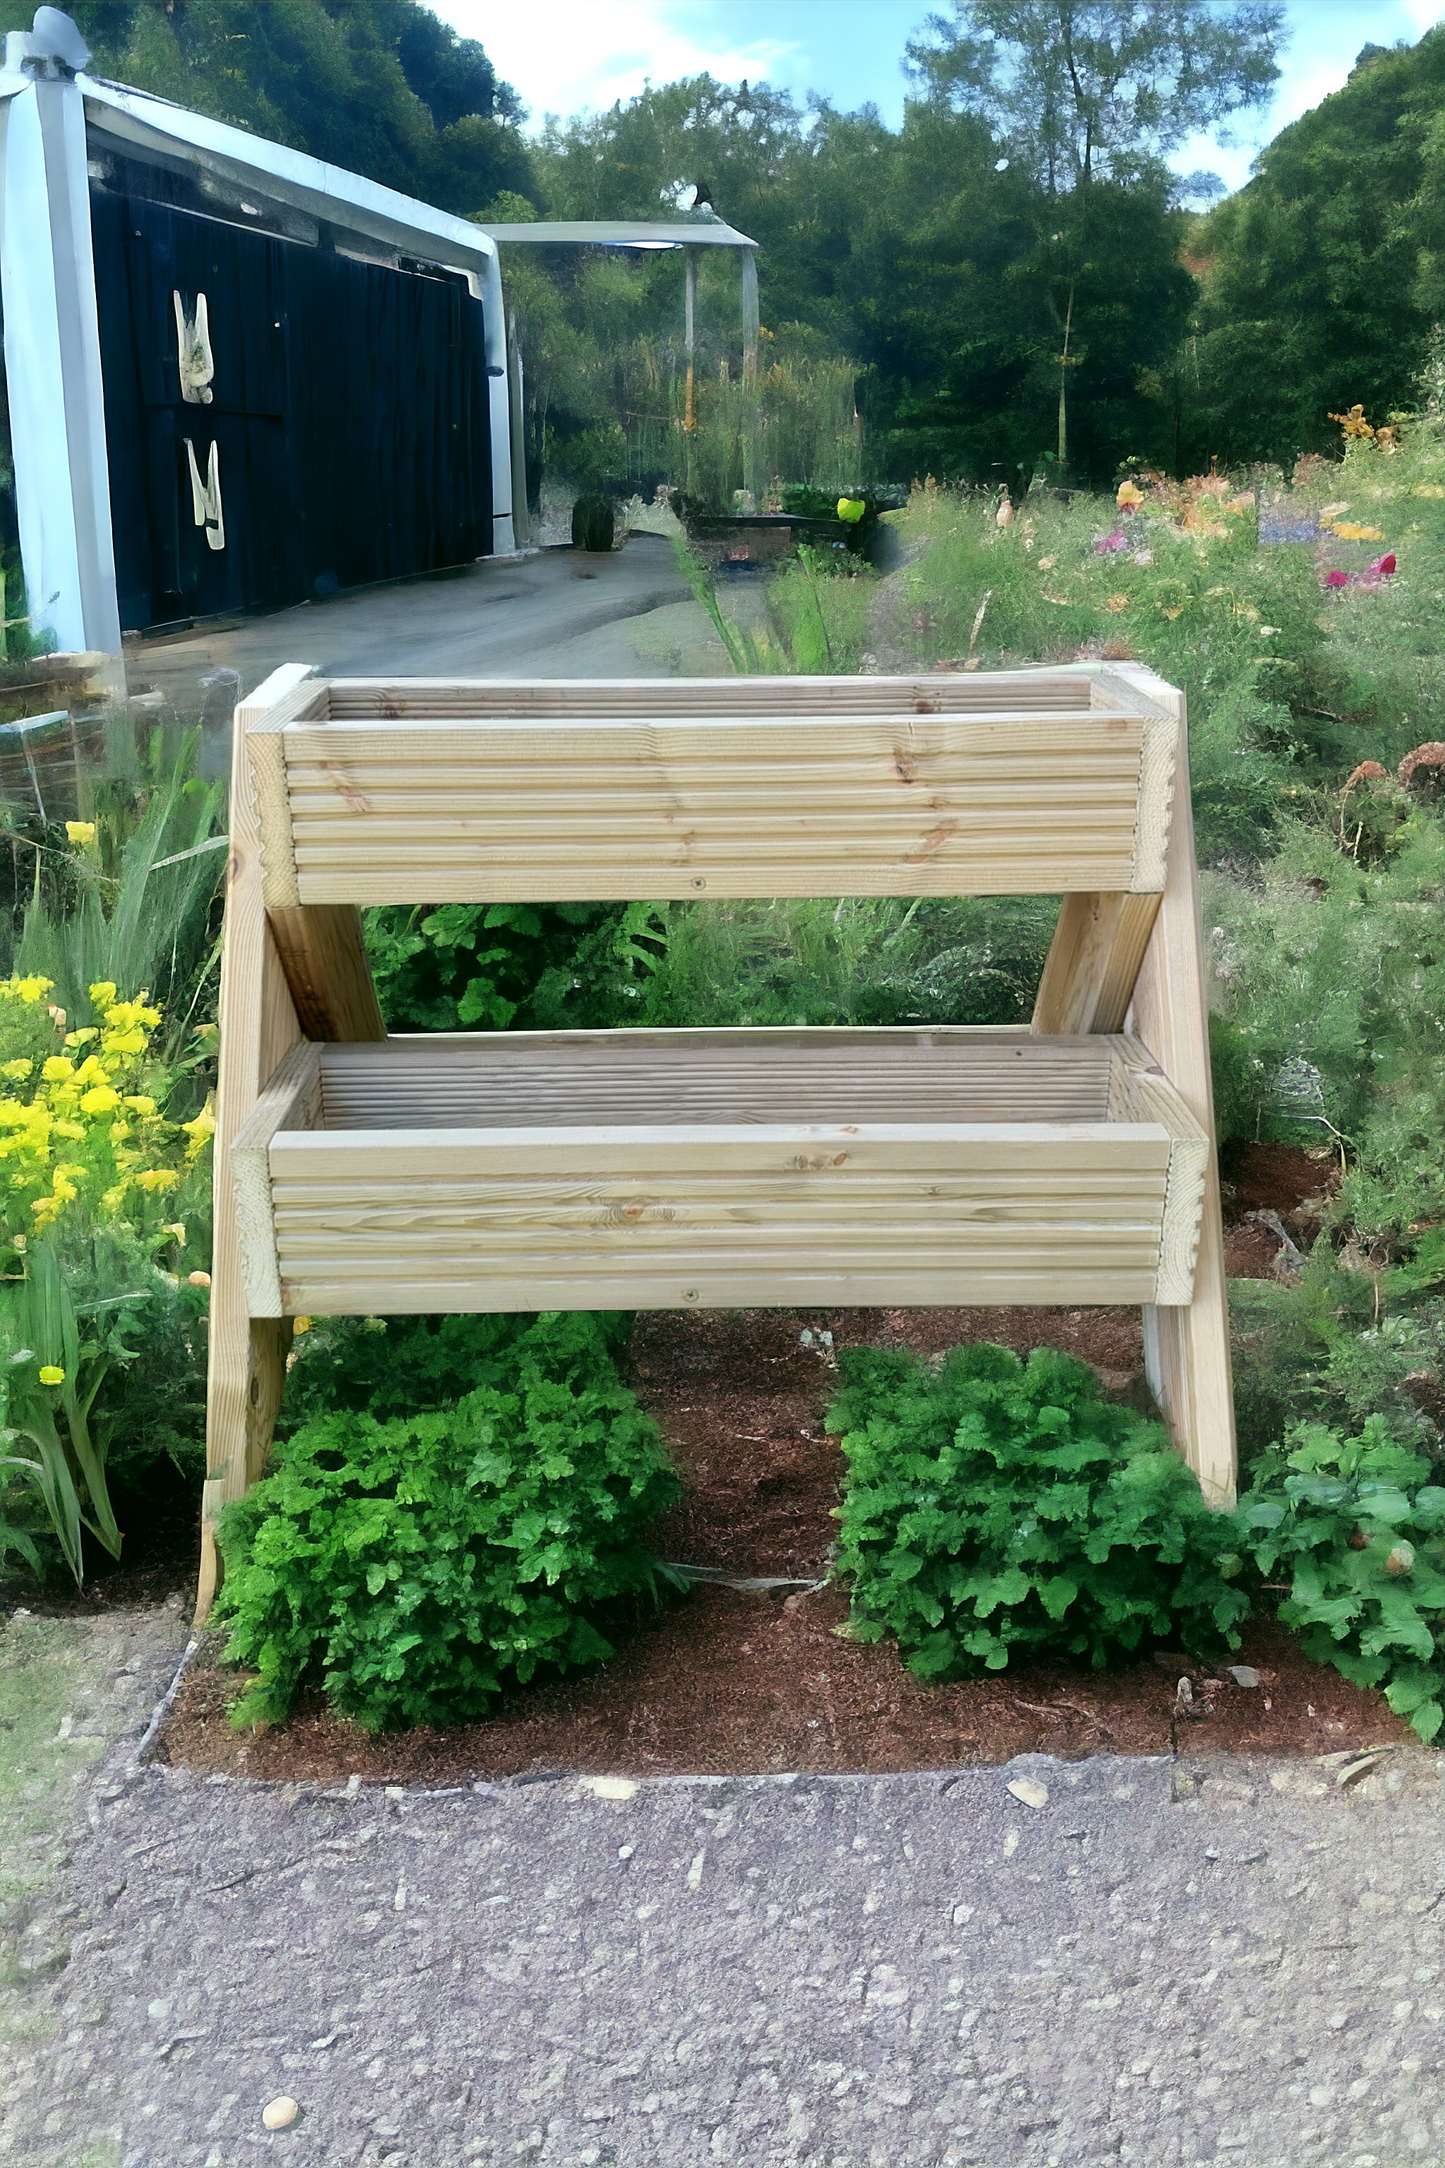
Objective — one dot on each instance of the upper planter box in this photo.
(438, 792)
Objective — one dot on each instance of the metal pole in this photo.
(521, 515)
(750, 373)
(52, 356)
(689, 412)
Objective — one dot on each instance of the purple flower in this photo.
(1107, 544)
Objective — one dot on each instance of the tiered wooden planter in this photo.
(1068, 1162)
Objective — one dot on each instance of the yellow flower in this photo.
(200, 1131)
(26, 989)
(1130, 495)
(1117, 602)
(300, 1325)
(18, 1069)
(140, 1103)
(1350, 530)
(155, 1178)
(176, 1228)
(74, 1130)
(81, 832)
(851, 509)
(102, 995)
(100, 1100)
(81, 1037)
(57, 1069)
(51, 1374)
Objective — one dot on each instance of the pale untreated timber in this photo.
(291, 1100)
(247, 1357)
(395, 699)
(1089, 973)
(324, 958)
(592, 807)
(1187, 1346)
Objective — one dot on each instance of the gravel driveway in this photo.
(1163, 1963)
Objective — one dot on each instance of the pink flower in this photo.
(1383, 568)
(1337, 579)
(1107, 544)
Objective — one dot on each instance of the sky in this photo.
(562, 56)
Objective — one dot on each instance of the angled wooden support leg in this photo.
(247, 1362)
(1187, 1349)
(1094, 959)
(327, 974)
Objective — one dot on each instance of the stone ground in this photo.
(559, 613)
(1166, 1963)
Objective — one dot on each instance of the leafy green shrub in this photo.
(417, 1566)
(996, 1508)
(1360, 1526)
(401, 1365)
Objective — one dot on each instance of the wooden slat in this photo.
(292, 1100)
(478, 1080)
(899, 1286)
(669, 806)
(932, 694)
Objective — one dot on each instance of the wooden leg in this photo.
(1097, 949)
(244, 1398)
(247, 1362)
(1186, 1356)
(1187, 1350)
(324, 959)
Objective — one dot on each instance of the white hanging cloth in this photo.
(193, 351)
(206, 496)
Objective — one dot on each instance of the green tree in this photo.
(379, 86)
(1090, 95)
(1323, 277)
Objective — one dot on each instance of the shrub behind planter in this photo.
(996, 1508)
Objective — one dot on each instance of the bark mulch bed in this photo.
(733, 1682)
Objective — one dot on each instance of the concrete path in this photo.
(1161, 1964)
(562, 613)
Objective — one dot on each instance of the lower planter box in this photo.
(622, 1170)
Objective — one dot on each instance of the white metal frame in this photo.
(50, 114)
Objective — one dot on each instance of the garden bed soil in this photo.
(730, 1681)
(1291, 1183)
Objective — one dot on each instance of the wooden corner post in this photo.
(1134, 960)
(247, 1365)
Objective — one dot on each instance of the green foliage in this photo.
(401, 1365)
(130, 902)
(997, 1509)
(1091, 88)
(1322, 276)
(1359, 1524)
(378, 86)
(417, 1567)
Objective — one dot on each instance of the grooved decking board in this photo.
(391, 699)
(797, 804)
(481, 1080)
(523, 1218)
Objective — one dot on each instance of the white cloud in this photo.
(564, 55)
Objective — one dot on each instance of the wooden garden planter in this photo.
(1069, 1162)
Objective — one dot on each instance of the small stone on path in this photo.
(1028, 1793)
(279, 2112)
